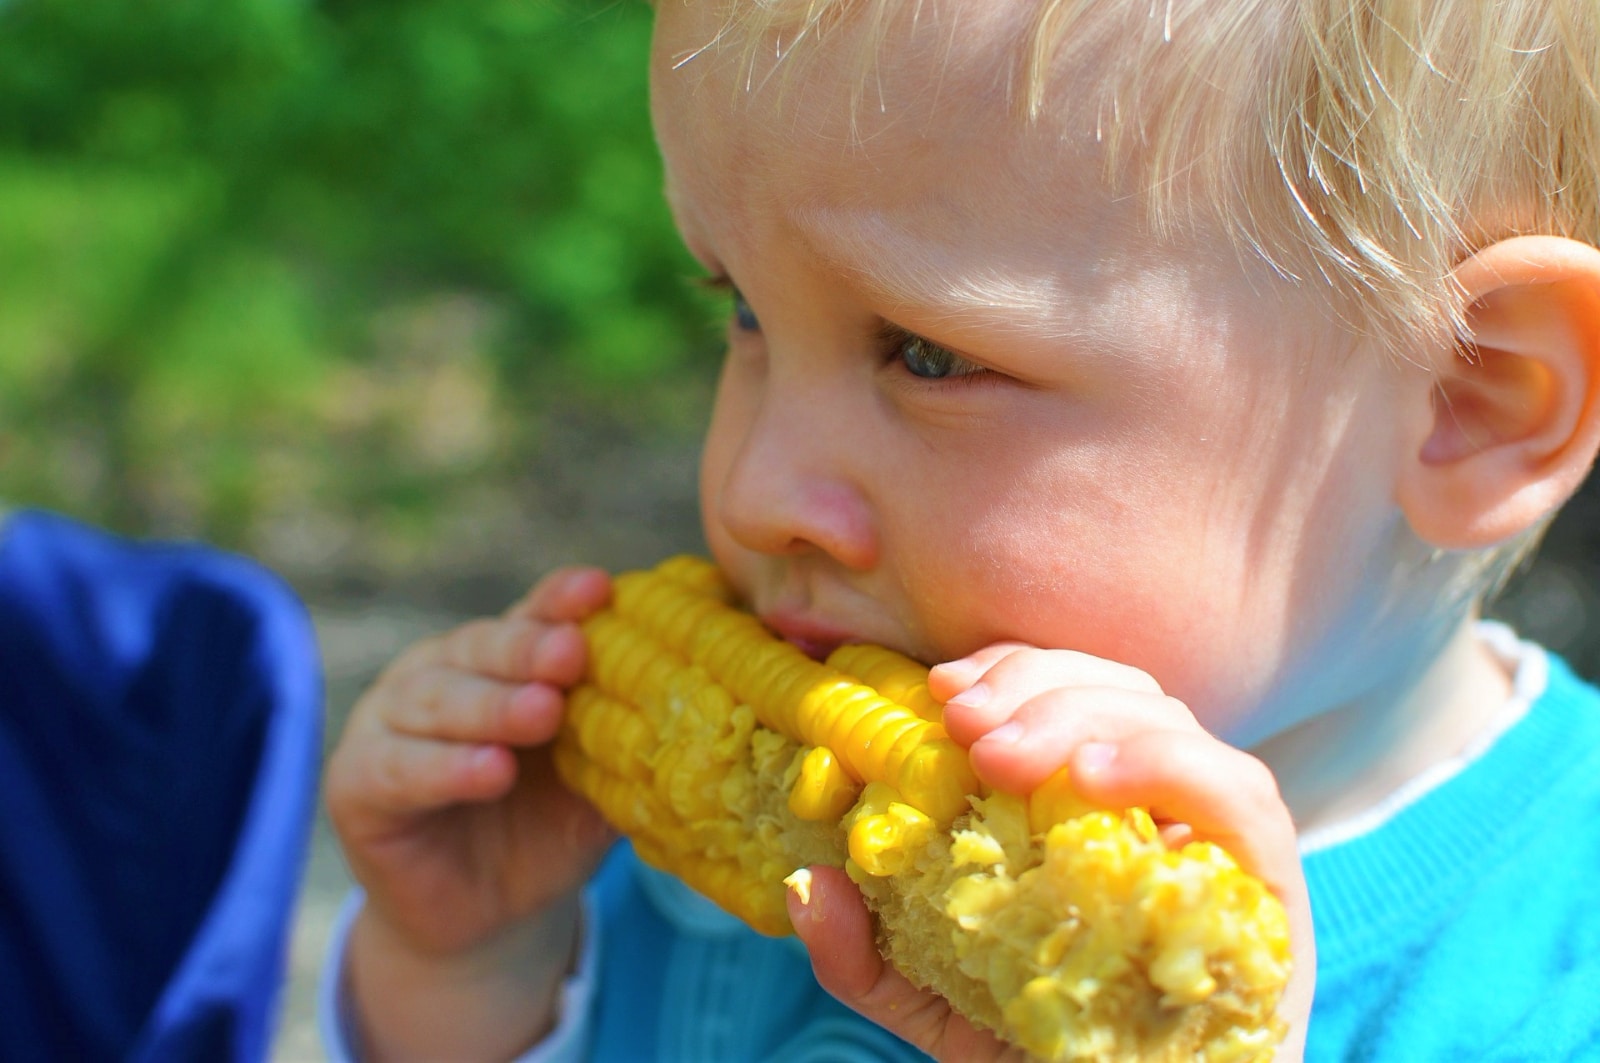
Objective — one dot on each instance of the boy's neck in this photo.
(1343, 762)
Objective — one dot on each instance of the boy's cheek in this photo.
(1211, 653)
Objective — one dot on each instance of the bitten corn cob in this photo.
(731, 759)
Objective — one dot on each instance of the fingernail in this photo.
(955, 671)
(1094, 756)
(544, 647)
(1009, 733)
(481, 757)
(531, 699)
(974, 697)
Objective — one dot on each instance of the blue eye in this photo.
(931, 361)
(743, 316)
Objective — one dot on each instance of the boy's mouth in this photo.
(815, 640)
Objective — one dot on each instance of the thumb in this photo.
(832, 919)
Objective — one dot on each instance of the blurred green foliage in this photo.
(264, 256)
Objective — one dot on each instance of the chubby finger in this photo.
(456, 706)
(1041, 734)
(1223, 794)
(514, 650)
(566, 594)
(1017, 676)
(947, 680)
(833, 922)
(406, 775)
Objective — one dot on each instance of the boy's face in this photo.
(971, 399)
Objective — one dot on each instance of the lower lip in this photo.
(816, 649)
(815, 645)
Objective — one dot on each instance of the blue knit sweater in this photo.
(1467, 927)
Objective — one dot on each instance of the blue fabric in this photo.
(160, 731)
(678, 985)
(1468, 927)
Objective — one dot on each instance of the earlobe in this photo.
(1515, 420)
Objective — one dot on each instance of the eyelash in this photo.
(724, 284)
(892, 342)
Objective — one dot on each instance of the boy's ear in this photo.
(1515, 419)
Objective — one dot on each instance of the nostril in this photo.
(800, 518)
(783, 485)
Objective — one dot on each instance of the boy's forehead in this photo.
(926, 105)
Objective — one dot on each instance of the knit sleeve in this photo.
(567, 1043)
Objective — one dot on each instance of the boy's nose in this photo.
(789, 487)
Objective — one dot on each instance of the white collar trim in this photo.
(1529, 666)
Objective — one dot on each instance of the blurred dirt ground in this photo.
(624, 502)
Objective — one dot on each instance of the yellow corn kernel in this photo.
(698, 574)
(883, 832)
(730, 758)
(599, 723)
(822, 790)
(1054, 802)
(894, 675)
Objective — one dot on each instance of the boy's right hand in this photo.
(452, 818)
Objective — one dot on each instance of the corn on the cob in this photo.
(731, 759)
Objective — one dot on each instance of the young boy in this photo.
(1181, 377)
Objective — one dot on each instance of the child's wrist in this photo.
(493, 1000)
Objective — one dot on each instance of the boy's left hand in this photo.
(1024, 713)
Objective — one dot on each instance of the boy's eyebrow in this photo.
(902, 269)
